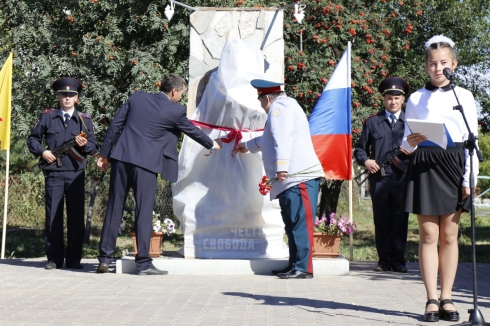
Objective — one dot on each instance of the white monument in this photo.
(216, 197)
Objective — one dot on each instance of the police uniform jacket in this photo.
(51, 127)
(378, 138)
(286, 145)
(150, 126)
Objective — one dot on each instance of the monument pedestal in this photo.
(175, 264)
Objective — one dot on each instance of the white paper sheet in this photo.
(433, 131)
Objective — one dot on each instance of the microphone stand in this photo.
(476, 317)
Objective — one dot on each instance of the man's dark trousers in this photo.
(125, 176)
(390, 223)
(298, 210)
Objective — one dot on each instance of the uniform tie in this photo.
(393, 118)
(67, 118)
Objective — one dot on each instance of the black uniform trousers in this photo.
(61, 185)
(390, 222)
(125, 176)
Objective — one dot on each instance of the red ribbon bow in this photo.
(234, 134)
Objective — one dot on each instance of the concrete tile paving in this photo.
(31, 295)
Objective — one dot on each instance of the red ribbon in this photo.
(234, 134)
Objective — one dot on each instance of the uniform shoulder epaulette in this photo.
(85, 115)
(48, 111)
(372, 115)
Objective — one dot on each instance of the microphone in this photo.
(450, 75)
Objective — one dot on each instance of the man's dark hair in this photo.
(275, 94)
(170, 82)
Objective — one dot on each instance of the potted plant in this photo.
(327, 234)
(159, 229)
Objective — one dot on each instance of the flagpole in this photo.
(351, 237)
(4, 229)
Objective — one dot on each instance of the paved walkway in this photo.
(30, 295)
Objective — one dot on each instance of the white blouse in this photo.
(437, 105)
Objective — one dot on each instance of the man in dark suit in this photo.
(382, 133)
(141, 142)
(64, 177)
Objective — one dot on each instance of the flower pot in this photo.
(326, 245)
(155, 243)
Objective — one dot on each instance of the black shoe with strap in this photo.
(448, 315)
(432, 315)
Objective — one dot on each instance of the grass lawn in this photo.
(29, 243)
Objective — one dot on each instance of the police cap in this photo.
(67, 84)
(394, 86)
(266, 87)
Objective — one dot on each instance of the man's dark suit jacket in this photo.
(150, 127)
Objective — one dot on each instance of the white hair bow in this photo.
(437, 39)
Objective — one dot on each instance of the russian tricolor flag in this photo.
(330, 122)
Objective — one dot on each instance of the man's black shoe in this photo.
(102, 268)
(52, 265)
(152, 271)
(74, 265)
(400, 269)
(382, 268)
(294, 274)
(281, 271)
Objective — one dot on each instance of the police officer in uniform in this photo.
(64, 177)
(287, 149)
(382, 133)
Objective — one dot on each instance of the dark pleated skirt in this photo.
(433, 181)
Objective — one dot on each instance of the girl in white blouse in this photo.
(437, 182)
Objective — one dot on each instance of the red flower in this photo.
(318, 95)
(356, 104)
(300, 94)
(324, 40)
(352, 31)
(291, 68)
(301, 65)
(326, 10)
(265, 185)
(331, 62)
(324, 80)
(386, 32)
(352, 84)
(356, 131)
(419, 13)
(384, 57)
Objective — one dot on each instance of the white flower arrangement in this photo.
(167, 226)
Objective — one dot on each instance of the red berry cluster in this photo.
(264, 186)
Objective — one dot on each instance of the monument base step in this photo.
(175, 264)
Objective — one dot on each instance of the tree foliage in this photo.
(115, 47)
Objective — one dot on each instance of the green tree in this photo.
(118, 46)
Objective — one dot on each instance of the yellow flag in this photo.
(5, 103)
